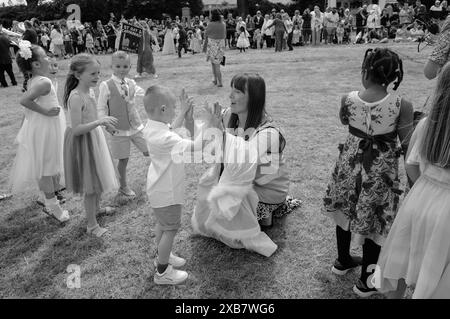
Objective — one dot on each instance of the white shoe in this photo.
(174, 260)
(170, 277)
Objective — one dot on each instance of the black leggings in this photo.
(371, 252)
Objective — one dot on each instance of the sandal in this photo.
(97, 231)
(62, 219)
(106, 211)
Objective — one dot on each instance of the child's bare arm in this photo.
(186, 103)
(405, 123)
(40, 89)
(343, 111)
(76, 106)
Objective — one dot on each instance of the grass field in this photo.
(303, 95)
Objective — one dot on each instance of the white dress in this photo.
(226, 204)
(169, 45)
(40, 144)
(243, 41)
(417, 248)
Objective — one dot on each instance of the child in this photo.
(340, 33)
(257, 39)
(417, 250)
(39, 161)
(117, 98)
(296, 35)
(363, 194)
(45, 40)
(88, 166)
(89, 43)
(165, 179)
(243, 42)
(197, 40)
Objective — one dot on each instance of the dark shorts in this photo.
(168, 218)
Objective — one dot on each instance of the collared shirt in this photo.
(165, 178)
(102, 105)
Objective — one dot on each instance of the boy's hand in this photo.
(186, 102)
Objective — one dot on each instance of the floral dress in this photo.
(363, 194)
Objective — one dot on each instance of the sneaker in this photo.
(341, 269)
(127, 192)
(363, 291)
(174, 260)
(170, 277)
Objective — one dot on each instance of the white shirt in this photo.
(104, 94)
(268, 31)
(165, 178)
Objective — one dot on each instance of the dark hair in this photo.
(436, 139)
(242, 29)
(215, 16)
(26, 65)
(256, 88)
(383, 66)
(77, 66)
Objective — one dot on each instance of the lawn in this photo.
(303, 95)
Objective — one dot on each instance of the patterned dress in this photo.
(363, 194)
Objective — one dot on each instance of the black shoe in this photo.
(60, 197)
(363, 291)
(342, 268)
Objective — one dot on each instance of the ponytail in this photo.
(71, 84)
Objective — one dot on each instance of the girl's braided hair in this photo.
(383, 66)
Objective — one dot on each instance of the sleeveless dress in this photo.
(418, 245)
(363, 194)
(88, 166)
(40, 144)
(169, 45)
(145, 55)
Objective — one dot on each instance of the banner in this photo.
(130, 38)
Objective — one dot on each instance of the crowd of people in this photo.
(237, 199)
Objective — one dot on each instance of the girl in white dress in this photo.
(417, 249)
(169, 45)
(39, 160)
(243, 42)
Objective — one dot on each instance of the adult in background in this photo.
(316, 25)
(57, 44)
(30, 33)
(289, 30)
(230, 29)
(216, 34)
(441, 52)
(145, 54)
(267, 32)
(280, 30)
(258, 20)
(306, 27)
(5, 60)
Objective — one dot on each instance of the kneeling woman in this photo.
(252, 182)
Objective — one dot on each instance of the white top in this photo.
(104, 94)
(165, 178)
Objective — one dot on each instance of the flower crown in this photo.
(25, 49)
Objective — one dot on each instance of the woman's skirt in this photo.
(215, 50)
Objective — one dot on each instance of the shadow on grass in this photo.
(23, 231)
(50, 246)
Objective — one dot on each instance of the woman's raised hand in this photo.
(214, 115)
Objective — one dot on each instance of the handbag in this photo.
(223, 61)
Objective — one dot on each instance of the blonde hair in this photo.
(436, 141)
(77, 66)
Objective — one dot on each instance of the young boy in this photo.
(165, 179)
(117, 98)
